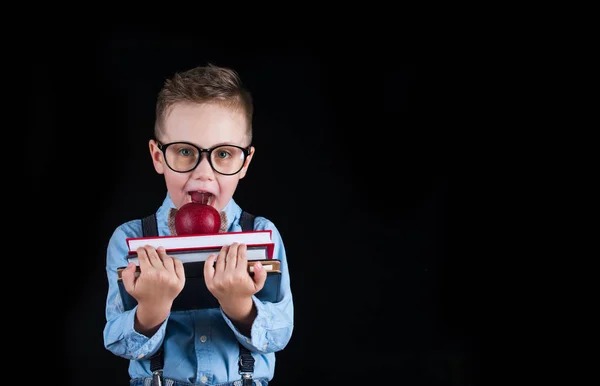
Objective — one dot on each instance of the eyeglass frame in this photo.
(163, 148)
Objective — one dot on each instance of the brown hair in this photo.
(207, 84)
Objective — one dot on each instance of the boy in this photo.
(202, 138)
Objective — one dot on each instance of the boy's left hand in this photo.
(229, 281)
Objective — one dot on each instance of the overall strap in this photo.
(247, 221)
(246, 361)
(149, 225)
(150, 228)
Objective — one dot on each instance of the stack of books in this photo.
(193, 250)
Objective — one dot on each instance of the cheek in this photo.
(227, 187)
(175, 185)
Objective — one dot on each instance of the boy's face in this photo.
(206, 126)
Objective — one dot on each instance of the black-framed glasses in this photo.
(183, 157)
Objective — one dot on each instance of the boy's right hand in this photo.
(161, 279)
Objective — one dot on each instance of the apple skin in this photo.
(197, 218)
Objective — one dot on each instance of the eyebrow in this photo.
(212, 147)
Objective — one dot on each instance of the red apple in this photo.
(197, 218)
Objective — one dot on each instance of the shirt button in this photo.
(140, 356)
(204, 379)
(203, 338)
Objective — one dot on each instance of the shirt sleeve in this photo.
(272, 329)
(120, 337)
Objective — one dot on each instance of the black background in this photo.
(354, 165)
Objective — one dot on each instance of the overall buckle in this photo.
(157, 378)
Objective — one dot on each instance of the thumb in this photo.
(128, 276)
(260, 276)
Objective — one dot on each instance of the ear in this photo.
(247, 163)
(157, 157)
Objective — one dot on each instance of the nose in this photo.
(203, 170)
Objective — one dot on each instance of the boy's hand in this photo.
(161, 279)
(229, 281)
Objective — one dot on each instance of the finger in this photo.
(232, 256)
(128, 277)
(260, 276)
(220, 266)
(166, 259)
(179, 269)
(153, 257)
(143, 259)
(242, 260)
(209, 267)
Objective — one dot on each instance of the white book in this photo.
(259, 252)
(200, 240)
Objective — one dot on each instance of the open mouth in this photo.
(202, 197)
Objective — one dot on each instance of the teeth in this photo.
(202, 197)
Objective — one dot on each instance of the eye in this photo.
(222, 153)
(186, 152)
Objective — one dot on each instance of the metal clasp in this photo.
(157, 378)
(246, 379)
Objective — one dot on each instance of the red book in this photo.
(189, 255)
(197, 241)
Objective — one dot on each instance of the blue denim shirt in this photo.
(200, 345)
